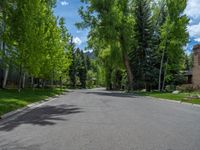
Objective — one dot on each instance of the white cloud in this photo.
(197, 39)
(64, 3)
(194, 30)
(78, 31)
(77, 41)
(192, 9)
(88, 50)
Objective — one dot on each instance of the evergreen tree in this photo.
(143, 55)
(81, 68)
(72, 67)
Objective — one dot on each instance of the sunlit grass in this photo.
(11, 99)
(183, 97)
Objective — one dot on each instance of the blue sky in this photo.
(69, 10)
(193, 12)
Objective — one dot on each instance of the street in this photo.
(100, 120)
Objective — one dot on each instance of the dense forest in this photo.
(137, 44)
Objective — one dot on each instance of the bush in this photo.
(185, 88)
(170, 88)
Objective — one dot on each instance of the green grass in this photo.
(183, 97)
(11, 99)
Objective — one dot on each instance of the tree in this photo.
(143, 53)
(29, 34)
(6, 9)
(81, 67)
(40, 45)
(112, 23)
(72, 67)
(174, 37)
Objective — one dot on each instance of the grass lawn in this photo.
(11, 99)
(183, 97)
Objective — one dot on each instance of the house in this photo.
(194, 74)
(196, 67)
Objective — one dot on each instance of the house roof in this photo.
(196, 47)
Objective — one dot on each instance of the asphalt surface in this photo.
(101, 120)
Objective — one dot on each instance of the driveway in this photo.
(101, 120)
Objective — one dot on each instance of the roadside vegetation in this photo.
(138, 43)
(38, 52)
(188, 97)
(11, 99)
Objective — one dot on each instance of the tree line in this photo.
(139, 43)
(37, 44)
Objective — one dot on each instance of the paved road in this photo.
(101, 120)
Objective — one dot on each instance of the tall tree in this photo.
(111, 20)
(81, 67)
(174, 37)
(72, 67)
(6, 10)
(40, 46)
(142, 55)
(29, 33)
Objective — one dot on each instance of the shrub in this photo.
(170, 88)
(185, 88)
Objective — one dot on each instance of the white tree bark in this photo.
(161, 68)
(5, 77)
(32, 82)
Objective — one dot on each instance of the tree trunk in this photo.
(108, 79)
(163, 86)
(4, 47)
(52, 79)
(129, 72)
(24, 81)
(60, 82)
(52, 82)
(161, 67)
(44, 83)
(5, 77)
(126, 62)
(20, 79)
(1, 78)
(32, 82)
(7, 66)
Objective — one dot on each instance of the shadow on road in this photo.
(46, 115)
(113, 94)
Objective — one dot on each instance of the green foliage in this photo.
(82, 72)
(188, 62)
(72, 68)
(111, 26)
(153, 33)
(131, 40)
(143, 54)
(35, 43)
(174, 37)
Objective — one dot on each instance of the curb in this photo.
(23, 110)
(196, 105)
(174, 101)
